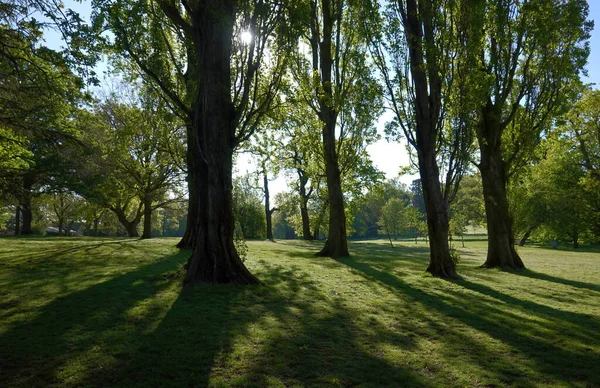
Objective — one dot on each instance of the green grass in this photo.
(112, 312)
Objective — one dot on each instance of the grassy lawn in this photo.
(112, 312)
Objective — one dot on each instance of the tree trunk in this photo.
(576, 240)
(96, 222)
(436, 209)
(268, 211)
(306, 235)
(337, 242)
(214, 258)
(60, 226)
(501, 250)
(188, 241)
(17, 220)
(147, 233)
(130, 226)
(427, 90)
(26, 205)
(304, 197)
(523, 239)
(27, 217)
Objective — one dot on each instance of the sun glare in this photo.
(246, 37)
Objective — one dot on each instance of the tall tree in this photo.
(338, 84)
(420, 54)
(530, 54)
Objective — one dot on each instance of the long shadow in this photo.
(74, 329)
(542, 276)
(507, 322)
(257, 336)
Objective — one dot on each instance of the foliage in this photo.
(248, 209)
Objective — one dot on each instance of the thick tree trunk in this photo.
(214, 258)
(96, 222)
(130, 226)
(306, 235)
(337, 242)
(27, 217)
(60, 227)
(440, 261)
(147, 232)
(18, 220)
(26, 206)
(501, 251)
(188, 241)
(268, 210)
(575, 238)
(428, 100)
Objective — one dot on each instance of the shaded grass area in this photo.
(112, 312)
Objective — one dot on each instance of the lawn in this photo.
(112, 312)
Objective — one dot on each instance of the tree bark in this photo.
(575, 238)
(18, 220)
(268, 210)
(26, 205)
(304, 197)
(523, 239)
(306, 234)
(501, 250)
(436, 209)
(147, 232)
(130, 226)
(188, 241)
(336, 244)
(427, 89)
(96, 222)
(214, 258)
(27, 217)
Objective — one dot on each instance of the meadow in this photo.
(113, 312)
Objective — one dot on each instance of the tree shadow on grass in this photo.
(71, 333)
(141, 328)
(551, 342)
(554, 279)
(285, 333)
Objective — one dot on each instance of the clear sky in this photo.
(389, 157)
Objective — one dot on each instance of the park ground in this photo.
(113, 312)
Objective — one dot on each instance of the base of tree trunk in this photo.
(217, 271)
(446, 270)
(509, 259)
(333, 252)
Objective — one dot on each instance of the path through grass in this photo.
(110, 312)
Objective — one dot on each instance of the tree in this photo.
(530, 54)
(137, 169)
(468, 202)
(393, 218)
(557, 178)
(235, 87)
(38, 94)
(338, 84)
(582, 127)
(248, 209)
(421, 53)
